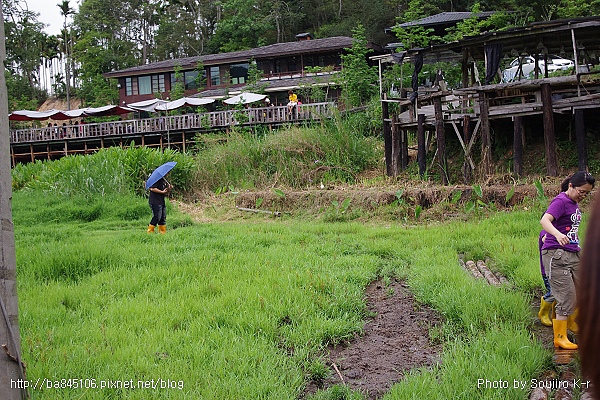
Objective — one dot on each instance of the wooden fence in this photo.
(166, 123)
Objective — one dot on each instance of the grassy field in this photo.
(244, 310)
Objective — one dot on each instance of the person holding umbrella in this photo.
(159, 188)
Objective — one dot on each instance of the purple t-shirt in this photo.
(567, 217)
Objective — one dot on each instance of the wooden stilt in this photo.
(486, 142)
(517, 146)
(582, 161)
(440, 134)
(549, 138)
(387, 138)
(422, 150)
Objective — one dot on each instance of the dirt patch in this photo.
(394, 341)
(371, 198)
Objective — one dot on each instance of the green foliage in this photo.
(359, 80)
(178, 90)
(332, 152)
(108, 172)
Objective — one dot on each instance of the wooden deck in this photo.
(177, 131)
(470, 113)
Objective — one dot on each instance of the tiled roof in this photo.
(264, 52)
(272, 85)
(446, 18)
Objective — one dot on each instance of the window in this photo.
(145, 84)
(238, 73)
(215, 76)
(191, 79)
(158, 83)
(131, 87)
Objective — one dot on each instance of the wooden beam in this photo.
(486, 142)
(468, 167)
(549, 138)
(581, 142)
(440, 133)
(404, 149)
(518, 146)
(421, 147)
(387, 138)
(395, 143)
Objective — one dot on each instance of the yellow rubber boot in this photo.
(544, 313)
(560, 335)
(572, 323)
(162, 229)
(151, 228)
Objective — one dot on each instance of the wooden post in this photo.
(440, 135)
(467, 171)
(395, 142)
(518, 145)
(387, 138)
(12, 376)
(403, 137)
(403, 149)
(422, 150)
(486, 142)
(549, 139)
(581, 145)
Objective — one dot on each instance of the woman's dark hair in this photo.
(588, 301)
(579, 178)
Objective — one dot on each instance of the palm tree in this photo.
(66, 10)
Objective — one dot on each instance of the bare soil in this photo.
(395, 340)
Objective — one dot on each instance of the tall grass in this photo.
(110, 171)
(245, 310)
(294, 157)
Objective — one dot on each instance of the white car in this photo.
(555, 63)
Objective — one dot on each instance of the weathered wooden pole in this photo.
(518, 145)
(403, 137)
(421, 151)
(12, 384)
(549, 138)
(467, 171)
(581, 142)
(395, 146)
(387, 137)
(486, 142)
(440, 135)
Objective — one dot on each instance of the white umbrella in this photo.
(183, 102)
(146, 105)
(245, 98)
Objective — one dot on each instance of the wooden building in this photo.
(477, 108)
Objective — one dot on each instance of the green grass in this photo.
(244, 310)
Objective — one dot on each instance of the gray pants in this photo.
(561, 267)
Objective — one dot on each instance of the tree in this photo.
(66, 10)
(244, 25)
(359, 80)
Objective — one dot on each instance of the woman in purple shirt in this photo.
(560, 250)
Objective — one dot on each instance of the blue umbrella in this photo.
(159, 173)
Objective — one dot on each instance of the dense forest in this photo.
(109, 35)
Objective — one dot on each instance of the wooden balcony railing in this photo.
(161, 124)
